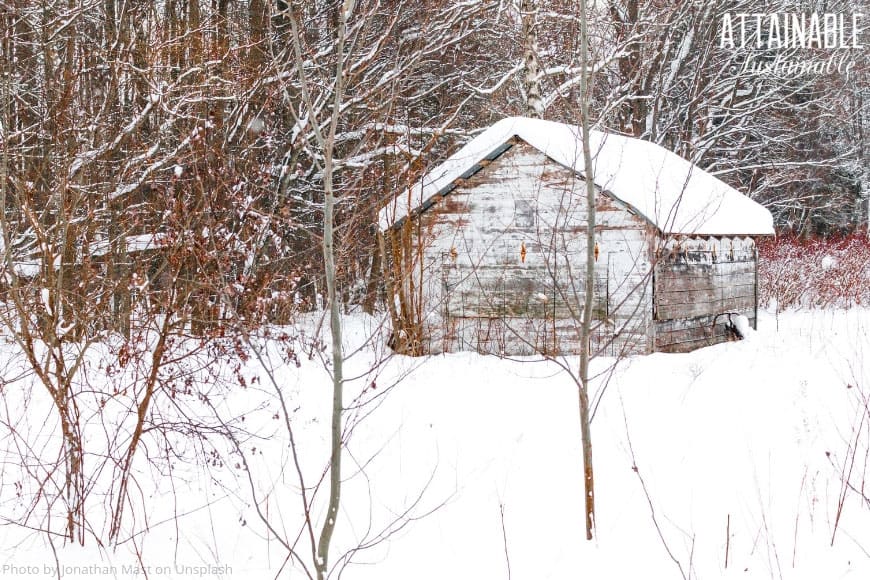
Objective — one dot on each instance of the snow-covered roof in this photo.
(672, 193)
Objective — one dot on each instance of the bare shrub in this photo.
(814, 273)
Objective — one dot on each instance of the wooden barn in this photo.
(487, 252)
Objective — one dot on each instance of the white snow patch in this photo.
(541, 297)
(46, 300)
(741, 324)
(135, 243)
(256, 125)
(764, 439)
(28, 269)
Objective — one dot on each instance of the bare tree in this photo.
(350, 81)
(326, 142)
(729, 110)
(586, 326)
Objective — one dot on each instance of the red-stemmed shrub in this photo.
(814, 273)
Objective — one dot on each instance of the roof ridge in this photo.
(674, 194)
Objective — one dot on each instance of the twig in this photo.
(796, 519)
(728, 540)
(845, 477)
(646, 494)
(507, 557)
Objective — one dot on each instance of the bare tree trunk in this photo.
(334, 324)
(374, 281)
(327, 145)
(532, 72)
(586, 327)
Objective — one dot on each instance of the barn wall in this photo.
(697, 279)
(500, 264)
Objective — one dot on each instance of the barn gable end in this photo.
(488, 251)
(503, 257)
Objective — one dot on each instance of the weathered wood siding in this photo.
(697, 279)
(500, 262)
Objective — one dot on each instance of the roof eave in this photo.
(448, 188)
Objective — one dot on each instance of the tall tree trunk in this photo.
(586, 328)
(531, 72)
(326, 143)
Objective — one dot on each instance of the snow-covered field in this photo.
(742, 460)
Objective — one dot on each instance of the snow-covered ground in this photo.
(743, 460)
